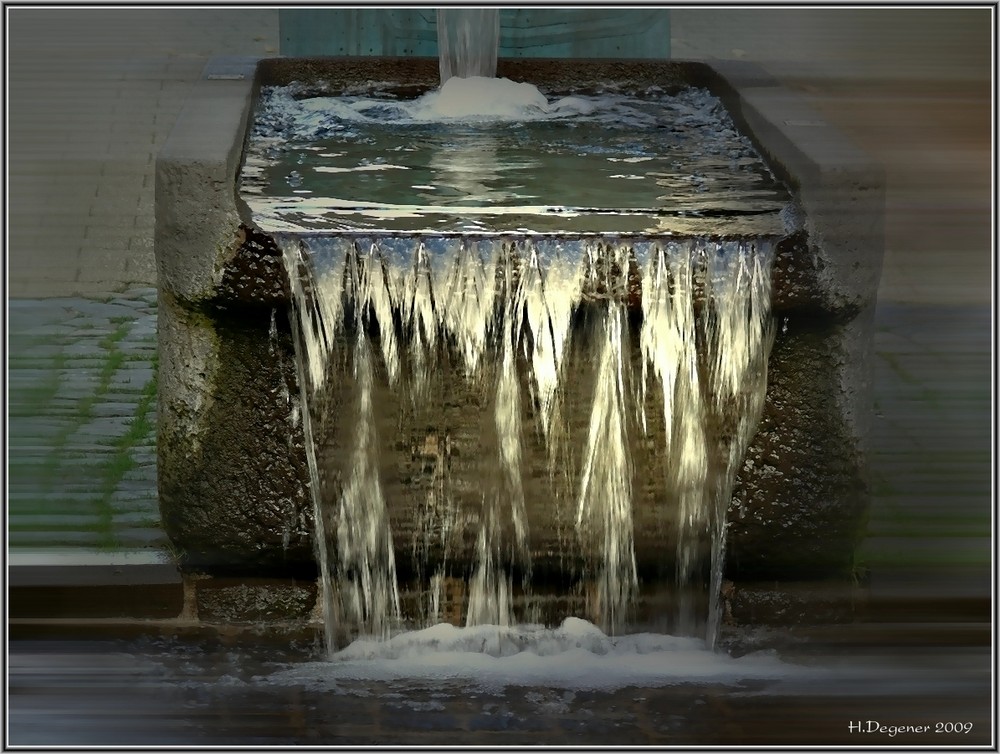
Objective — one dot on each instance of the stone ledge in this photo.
(198, 213)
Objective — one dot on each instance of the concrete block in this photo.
(197, 219)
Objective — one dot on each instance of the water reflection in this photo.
(155, 692)
(598, 163)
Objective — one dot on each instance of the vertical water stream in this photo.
(468, 41)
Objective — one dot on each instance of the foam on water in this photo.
(576, 655)
(498, 99)
(282, 113)
(479, 97)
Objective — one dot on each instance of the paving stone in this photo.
(25, 373)
(128, 302)
(140, 473)
(43, 522)
(44, 330)
(136, 366)
(87, 438)
(75, 481)
(56, 497)
(141, 537)
(112, 426)
(24, 360)
(93, 456)
(78, 384)
(146, 293)
(134, 377)
(139, 351)
(122, 409)
(38, 350)
(85, 347)
(80, 394)
(63, 403)
(134, 489)
(139, 339)
(140, 518)
(147, 504)
(39, 426)
(40, 449)
(147, 465)
(51, 538)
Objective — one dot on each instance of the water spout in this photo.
(468, 40)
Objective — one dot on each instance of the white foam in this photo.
(472, 99)
(577, 655)
(482, 97)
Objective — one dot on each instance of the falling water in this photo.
(605, 502)
(468, 39)
(506, 315)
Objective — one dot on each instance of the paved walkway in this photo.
(82, 390)
(94, 93)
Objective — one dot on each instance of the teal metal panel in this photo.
(585, 33)
(524, 32)
(359, 31)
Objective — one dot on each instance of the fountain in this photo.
(493, 421)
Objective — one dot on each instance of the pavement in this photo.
(82, 411)
(92, 96)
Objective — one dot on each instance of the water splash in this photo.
(357, 573)
(507, 315)
(575, 655)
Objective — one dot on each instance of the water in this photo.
(575, 655)
(492, 155)
(569, 686)
(533, 331)
(454, 356)
(468, 40)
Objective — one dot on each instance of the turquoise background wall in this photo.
(524, 32)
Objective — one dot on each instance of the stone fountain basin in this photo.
(232, 472)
